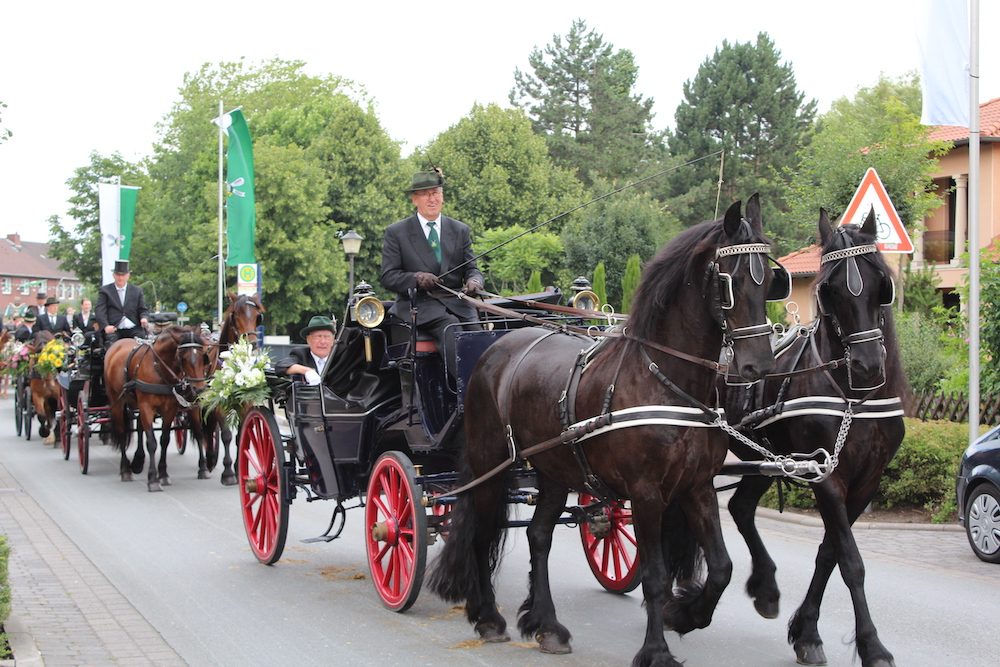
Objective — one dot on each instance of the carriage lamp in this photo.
(369, 311)
(585, 298)
(352, 246)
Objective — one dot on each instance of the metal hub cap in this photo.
(984, 523)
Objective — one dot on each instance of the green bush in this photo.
(4, 596)
(922, 474)
(924, 359)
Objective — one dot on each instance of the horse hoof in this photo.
(810, 654)
(491, 635)
(165, 480)
(154, 487)
(126, 476)
(766, 608)
(203, 474)
(549, 642)
(137, 466)
(228, 479)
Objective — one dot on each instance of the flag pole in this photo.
(973, 220)
(222, 283)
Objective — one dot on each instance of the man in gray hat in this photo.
(419, 249)
(311, 362)
(121, 308)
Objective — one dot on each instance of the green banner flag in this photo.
(129, 198)
(241, 215)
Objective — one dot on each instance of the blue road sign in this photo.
(182, 307)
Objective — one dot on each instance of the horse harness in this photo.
(180, 387)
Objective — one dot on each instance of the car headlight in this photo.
(585, 300)
(369, 312)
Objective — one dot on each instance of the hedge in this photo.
(921, 475)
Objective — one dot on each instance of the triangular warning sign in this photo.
(892, 237)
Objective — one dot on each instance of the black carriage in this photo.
(383, 432)
(83, 401)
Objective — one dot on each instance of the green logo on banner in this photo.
(248, 273)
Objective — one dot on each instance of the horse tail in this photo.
(476, 535)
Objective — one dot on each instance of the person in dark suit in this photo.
(39, 306)
(312, 361)
(85, 320)
(419, 249)
(51, 320)
(121, 309)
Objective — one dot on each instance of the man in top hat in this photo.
(419, 249)
(39, 306)
(26, 331)
(312, 361)
(85, 320)
(51, 320)
(121, 309)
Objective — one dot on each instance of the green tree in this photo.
(600, 283)
(79, 247)
(497, 172)
(989, 316)
(580, 95)
(920, 289)
(630, 281)
(745, 102)
(511, 268)
(534, 282)
(879, 128)
(613, 229)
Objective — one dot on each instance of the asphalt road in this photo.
(181, 558)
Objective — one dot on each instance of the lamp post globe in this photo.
(351, 241)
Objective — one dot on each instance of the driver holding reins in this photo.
(418, 249)
(121, 308)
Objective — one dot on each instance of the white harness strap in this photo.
(652, 415)
(834, 406)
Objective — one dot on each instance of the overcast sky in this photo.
(94, 75)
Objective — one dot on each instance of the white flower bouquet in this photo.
(239, 383)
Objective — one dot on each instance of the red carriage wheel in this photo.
(64, 436)
(610, 547)
(83, 429)
(395, 531)
(180, 434)
(263, 483)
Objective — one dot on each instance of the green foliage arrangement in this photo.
(630, 281)
(925, 361)
(921, 475)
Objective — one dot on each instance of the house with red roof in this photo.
(945, 234)
(26, 269)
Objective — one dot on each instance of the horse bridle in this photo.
(723, 299)
(855, 286)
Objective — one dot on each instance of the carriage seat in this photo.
(400, 333)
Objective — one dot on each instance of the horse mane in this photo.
(679, 266)
(848, 236)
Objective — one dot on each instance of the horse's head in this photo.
(739, 282)
(242, 317)
(853, 288)
(191, 362)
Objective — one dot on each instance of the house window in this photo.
(25, 286)
(5, 285)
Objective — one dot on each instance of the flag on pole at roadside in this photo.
(117, 220)
(241, 214)
(944, 62)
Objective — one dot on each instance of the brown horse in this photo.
(854, 289)
(242, 317)
(158, 378)
(706, 287)
(44, 389)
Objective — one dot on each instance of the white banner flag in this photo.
(108, 201)
(944, 62)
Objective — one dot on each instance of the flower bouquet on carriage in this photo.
(15, 358)
(52, 358)
(239, 384)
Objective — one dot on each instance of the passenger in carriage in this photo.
(26, 331)
(51, 320)
(85, 320)
(418, 249)
(310, 363)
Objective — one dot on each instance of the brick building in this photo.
(26, 269)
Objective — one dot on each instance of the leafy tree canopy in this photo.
(510, 269)
(579, 95)
(743, 100)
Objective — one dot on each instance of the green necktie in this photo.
(432, 238)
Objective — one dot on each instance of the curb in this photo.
(22, 645)
(803, 520)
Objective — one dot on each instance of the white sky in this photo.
(93, 75)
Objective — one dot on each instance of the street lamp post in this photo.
(352, 246)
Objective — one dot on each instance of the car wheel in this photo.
(982, 522)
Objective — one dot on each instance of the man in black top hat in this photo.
(39, 306)
(121, 309)
(26, 331)
(312, 361)
(419, 249)
(51, 320)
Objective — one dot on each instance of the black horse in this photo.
(802, 412)
(707, 287)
